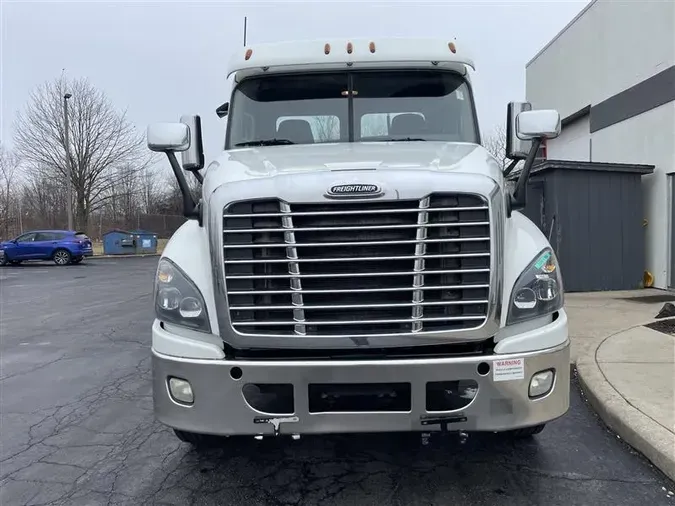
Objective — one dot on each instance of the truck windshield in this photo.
(366, 106)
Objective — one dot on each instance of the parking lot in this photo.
(77, 426)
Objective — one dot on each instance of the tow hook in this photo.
(426, 437)
(259, 437)
(443, 422)
(275, 422)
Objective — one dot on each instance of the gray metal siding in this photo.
(600, 229)
(552, 213)
(594, 222)
(649, 94)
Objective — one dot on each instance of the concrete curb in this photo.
(636, 428)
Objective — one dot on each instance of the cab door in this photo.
(24, 248)
(44, 244)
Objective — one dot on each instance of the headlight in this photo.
(177, 299)
(538, 291)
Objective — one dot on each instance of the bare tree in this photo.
(101, 140)
(42, 200)
(374, 125)
(327, 128)
(495, 143)
(152, 193)
(9, 172)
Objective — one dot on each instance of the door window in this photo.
(46, 236)
(30, 237)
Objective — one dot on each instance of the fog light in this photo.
(541, 383)
(181, 391)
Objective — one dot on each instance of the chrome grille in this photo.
(357, 268)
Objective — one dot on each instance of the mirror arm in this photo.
(510, 167)
(190, 209)
(519, 196)
(198, 175)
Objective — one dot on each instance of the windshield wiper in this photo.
(403, 139)
(265, 142)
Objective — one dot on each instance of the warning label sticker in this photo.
(509, 369)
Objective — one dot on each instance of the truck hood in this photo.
(270, 161)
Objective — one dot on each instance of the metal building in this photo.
(591, 214)
(611, 74)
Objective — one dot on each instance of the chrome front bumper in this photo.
(220, 408)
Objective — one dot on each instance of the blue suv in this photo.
(62, 246)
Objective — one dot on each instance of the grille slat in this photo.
(355, 227)
(357, 243)
(396, 267)
(366, 322)
(362, 306)
(360, 212)
(361, 259)
(365, 290)
(349, 274)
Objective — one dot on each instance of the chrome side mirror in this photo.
(168, 137)
(544, 124)
(192, 158)
(516, 148)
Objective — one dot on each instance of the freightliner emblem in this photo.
(355, 190)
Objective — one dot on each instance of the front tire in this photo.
(62, 257)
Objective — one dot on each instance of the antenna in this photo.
(245, 18)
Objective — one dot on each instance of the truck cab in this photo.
(355, 261)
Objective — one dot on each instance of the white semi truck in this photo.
(355, 261)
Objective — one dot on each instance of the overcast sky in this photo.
(162, 59)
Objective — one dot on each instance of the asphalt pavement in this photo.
(76, 425)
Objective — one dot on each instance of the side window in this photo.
(48, 236)
(323, 128)
(30, 237)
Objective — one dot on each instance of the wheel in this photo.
(62, 257)
(199, 440)
(76, 260)
(3, 261)
(526, 432)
